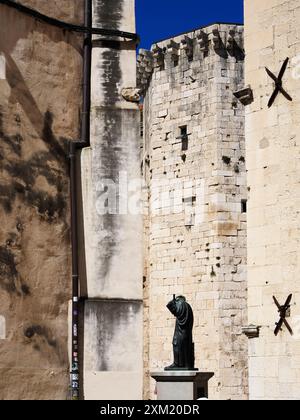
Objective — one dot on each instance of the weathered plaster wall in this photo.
(273, 145)
(40, 98)
(198, 251)
(113, 239)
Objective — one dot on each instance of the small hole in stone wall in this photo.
(226, 160)
(236, 168)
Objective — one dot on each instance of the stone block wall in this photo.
(273, 145)
(194, 167)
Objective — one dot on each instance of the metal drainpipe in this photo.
(75, 276)
(74, 146)
(84, 142)
(87, 66)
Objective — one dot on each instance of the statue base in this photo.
(184, 385)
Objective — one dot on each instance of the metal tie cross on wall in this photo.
(278, 84)
(284, 313)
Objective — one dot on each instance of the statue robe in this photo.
(183, 345)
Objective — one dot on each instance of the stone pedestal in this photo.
(181, 385)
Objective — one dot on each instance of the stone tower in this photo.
(195, 230)
(273, 147)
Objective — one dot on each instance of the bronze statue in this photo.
(183, 346)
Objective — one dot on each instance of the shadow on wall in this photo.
(25, 173)
(236, 51)
(34, 190)
(39, 181)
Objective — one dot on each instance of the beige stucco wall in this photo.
(273, 145)
(40, 99)
(204, 260)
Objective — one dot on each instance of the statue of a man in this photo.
(183, 346)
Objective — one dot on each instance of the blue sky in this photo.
(159, 19)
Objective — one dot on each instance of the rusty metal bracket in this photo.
(278, 84)
(284, 311)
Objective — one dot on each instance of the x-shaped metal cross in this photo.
(278, 84)
(283, 310)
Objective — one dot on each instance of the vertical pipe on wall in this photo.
(87, 64)
(84, 142)
(75, 276)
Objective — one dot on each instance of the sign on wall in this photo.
(2, 328)
(2, 67)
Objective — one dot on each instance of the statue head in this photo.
(172, 305)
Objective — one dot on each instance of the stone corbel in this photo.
(145, 60)
(131, 94)
(251, 331)
(158, 55)
(144, 69)
(188, 46)
(239, 38)
(173, 50)
(230, 41)
(203, 42)
(245, 96)
(216, 39)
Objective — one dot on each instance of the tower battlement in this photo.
(225, 40)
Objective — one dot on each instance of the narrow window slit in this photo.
(244, 206)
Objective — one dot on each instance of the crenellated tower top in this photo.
(224, 39)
